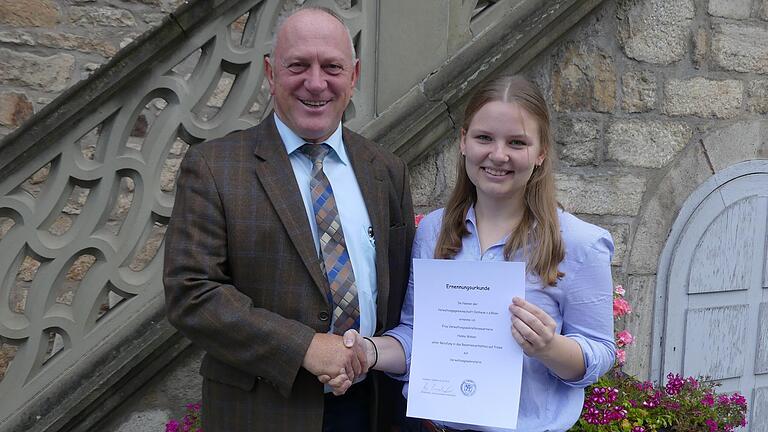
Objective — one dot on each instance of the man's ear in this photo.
(355, 73)
(268, 72)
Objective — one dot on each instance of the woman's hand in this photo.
(532, 328)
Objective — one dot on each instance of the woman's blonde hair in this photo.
(539, 226)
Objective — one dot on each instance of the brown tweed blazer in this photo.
(243, 280)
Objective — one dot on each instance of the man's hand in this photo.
(339, 385)
(353, 341)
(328, 354)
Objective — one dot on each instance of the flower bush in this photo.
(189, 423)
(619, 402)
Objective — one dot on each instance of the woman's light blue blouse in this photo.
(581, 304)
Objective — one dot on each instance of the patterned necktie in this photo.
(336, 263)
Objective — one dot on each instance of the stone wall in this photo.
(48, 45)
(649, 99)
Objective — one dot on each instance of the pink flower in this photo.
(692, 382)
(172, 426)
(708, 400)
(417, 219)
(624, 338)
(621, 307)
(619, 290)
(738, 399)
(621, 356)
(674, 384)
(712, 425)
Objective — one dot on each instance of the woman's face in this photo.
(502, 146)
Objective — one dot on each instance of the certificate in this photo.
(465, 365)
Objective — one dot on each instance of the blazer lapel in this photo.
(274, 170)
(370, 177)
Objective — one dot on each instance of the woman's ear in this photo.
(462, 142)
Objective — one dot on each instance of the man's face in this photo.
(312, 75)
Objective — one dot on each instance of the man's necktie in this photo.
(336, 263)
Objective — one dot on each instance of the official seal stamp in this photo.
(468, 387)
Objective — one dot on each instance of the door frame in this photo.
(687, 211)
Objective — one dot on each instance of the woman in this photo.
(504, 208)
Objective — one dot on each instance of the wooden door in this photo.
(714, 274)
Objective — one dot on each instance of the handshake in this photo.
(338, 360)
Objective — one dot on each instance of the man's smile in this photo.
(314, 103)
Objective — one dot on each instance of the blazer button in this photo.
(323, 316)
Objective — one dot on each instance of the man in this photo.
(257, 271)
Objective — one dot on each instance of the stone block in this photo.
(148, 252)
(29, 13)
(162, 398)
(86, 44)
(647, 144)
(700, 47)
(221, 92)
(601, 194)
(639, 91)
(736, 9)
(87, 16)
(61, 225)
(764, 10)
(179, 148)
(40, 73)
(146, 420)
(686, 173)
(578, 139)
(17, 37)
(733, 144)
(703, 97)
(148, 2)
(14, 108)
(424, 181)
(757, 96)
(168, 175)
(640, 293)
(154, 19)
(28, 269)
(169, 6)
(448, 159)
(620, 234)
(655, 31)
(6, 224)
(741, 48)
(584, 80)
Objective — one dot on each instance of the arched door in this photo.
(712, 296)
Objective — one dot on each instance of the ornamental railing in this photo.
(87, 185)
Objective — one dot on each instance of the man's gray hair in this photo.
(323, 9)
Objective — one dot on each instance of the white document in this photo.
(465, 365)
